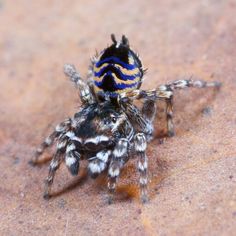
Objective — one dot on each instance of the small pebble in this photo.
(61, 203)
(207, 111)
(16, 160)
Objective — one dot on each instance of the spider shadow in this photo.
(124, 193)
(76, 182)
(41, 162)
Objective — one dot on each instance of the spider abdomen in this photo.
(117, 69)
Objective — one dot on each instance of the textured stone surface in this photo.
(192, 176)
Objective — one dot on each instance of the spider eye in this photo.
(114, 119)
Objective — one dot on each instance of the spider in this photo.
(109, 128)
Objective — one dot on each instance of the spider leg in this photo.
(67, 151)
(72, 158)
(169, 117)
(119, 156)
(149, 109)
(60, 128)
(136, 116)
(98, 163)
(149, 112)
(54, 165)
(140, 145)
(164, 92)
(86, 94)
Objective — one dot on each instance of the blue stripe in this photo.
(116, 61)
(117, 86)
(121, 75)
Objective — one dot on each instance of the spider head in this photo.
(109, 119)
(100, 119)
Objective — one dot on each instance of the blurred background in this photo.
(192, 176)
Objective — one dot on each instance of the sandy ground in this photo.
(192, 175)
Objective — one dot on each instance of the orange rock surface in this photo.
(192, 175)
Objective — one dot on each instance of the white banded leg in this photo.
(166, 91)
(119, 156)
(72, 159)
(169, 117)
(44, 145)
(140, 148)
(86, 95)
(60, 128)
(98, 163)
(54, 165)
(162, 92)
(180, 84)
(136, 116)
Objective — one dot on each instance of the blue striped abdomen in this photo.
(113, 75)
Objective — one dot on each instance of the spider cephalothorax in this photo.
(93, 131)
(109, 128)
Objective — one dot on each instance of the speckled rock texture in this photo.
(192, 175)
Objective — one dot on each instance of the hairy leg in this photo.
(136, 117)
(140, 148)
(98, 163)
(164, 92)
(169, 117)
(119, 156)
(54, 165)
(66, 150)
(60, 129)
(72, 158)
(86, 94)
